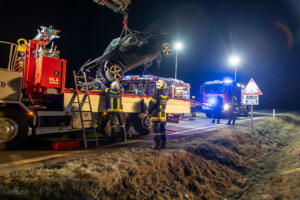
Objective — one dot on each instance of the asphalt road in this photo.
(33, 153)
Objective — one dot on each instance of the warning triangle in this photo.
(252, 88)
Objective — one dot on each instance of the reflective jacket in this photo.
(234, 108)
(114, 100)
(157, 106)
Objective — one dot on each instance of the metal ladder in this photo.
(85, 100)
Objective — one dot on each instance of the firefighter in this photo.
(217, 110)
(156, 110)
(114, 107)
(233, 111)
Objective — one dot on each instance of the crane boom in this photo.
(118, 6)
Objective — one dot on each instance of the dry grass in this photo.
(230, 162)
(278, 175)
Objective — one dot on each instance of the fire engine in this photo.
(34, 100)
(226, 89)
(145, 85)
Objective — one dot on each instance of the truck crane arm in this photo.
(118, 6)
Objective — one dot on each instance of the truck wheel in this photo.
(108, 129)
(114, 133)
(13, 129)
(143, 124)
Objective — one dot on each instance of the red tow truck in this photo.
(34, 100)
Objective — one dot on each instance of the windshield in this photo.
(214, 89)
(135, 87)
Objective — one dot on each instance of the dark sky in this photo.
(265, 33)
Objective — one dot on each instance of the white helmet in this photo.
(160, 84)
(115, 85)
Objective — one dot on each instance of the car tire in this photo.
(143, 124)
(14, 126)
(114, 72)
(166, 49)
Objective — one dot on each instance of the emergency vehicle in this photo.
(145, 85)
(226, 89)
(34, 100)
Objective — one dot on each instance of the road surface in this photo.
(40, 152)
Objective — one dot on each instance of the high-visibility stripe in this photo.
(154, 100)
(158, 118)
(121, 110)
(111, 103)
(115, 92)
(118, 103)
(163, 96)
(106, 89)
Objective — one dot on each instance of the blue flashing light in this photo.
(143, 76)
(212, 101)
(228, 81)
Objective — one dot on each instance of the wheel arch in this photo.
(29, 115)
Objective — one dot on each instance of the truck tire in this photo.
(13, 129)
(114, 133)
(108, 129)
(142, 124)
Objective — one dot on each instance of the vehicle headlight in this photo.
(212, 101)
(226, 107)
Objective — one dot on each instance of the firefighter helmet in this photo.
(160, 84)
(115, 85)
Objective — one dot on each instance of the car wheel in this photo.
(166, 49)
(13, 129)
(114, 72)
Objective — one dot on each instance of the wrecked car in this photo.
(127, 53)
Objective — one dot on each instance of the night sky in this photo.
(265, 33)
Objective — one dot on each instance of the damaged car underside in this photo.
(124, 54)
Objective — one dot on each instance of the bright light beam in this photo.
(178, 46)
(234, 60)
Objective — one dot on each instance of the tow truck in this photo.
(34, 100)
(226, 89)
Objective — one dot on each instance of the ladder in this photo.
(81, 81)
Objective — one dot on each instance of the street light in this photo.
(178, 47)
(234, 61)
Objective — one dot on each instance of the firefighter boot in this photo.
(157, 142)
(163, 140)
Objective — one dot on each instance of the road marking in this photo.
(185, 132)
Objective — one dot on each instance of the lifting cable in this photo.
(102, 3)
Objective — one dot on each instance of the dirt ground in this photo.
(228, 163)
